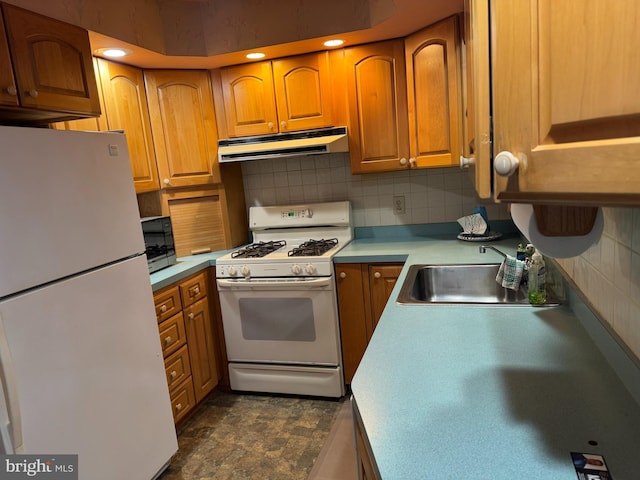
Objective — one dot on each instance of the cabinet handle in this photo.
(191, 316)
(377, 275)
(33, 93)
(173, 374)
(466, 161)
(343, 275)
(168, 340)
(412, 162)
(270, 125)
(403, 161)
(283, 124)
(196, 291)
(12, 90)
(506, 163)
(166, 181)
(163, 308)
(178, 406)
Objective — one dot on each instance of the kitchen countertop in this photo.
(457, 392)
(184, 267)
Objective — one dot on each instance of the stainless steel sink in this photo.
(460, 284)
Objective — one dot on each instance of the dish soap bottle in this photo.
(536, 280)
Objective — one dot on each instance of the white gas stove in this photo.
(278, 301)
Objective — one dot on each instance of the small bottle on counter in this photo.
(536, 280)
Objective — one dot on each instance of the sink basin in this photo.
(460, 284)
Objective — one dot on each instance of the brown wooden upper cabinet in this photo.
(45, 69)
(433, 95)
(126, 109)
(566, 103)
(283, 95)
(404, 101)
(184, 127)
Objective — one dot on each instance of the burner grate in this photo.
(259, 249)
(313, 248)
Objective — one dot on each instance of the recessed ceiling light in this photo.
(114, 52)
(333, 43)
(255, 55)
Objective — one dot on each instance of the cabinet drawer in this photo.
(182, 399)
(193, 289)
(167, 303)
(172, 334)
(177, 367)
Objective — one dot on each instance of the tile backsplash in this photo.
(430, 195)
(608, 273)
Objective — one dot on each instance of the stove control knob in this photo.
(296, 270)
(245, 271)
(310, 269)
(233, 271)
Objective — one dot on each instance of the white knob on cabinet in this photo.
(167, 340)
(377, 275)
(196, 291)
(270, 125)
(12, 90)
(343, 275)
(296, 270)
(191, 316)
(166, 181)
(310, 269)
(283, 124)
(33, 93)
(412, 162)
(466, 161)
(505, 163)
(173, 374)
(233, 271)
(403, 161)
(245, 271)
(178, 406)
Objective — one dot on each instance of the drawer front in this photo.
(167, 303)
(182, 400)
(193, 289)
(172, 334)
(177, 367)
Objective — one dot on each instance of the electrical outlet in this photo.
(398, 205)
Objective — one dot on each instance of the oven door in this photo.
(278, 320)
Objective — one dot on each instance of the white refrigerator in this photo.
(81, 364)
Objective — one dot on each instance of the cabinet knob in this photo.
(466, 161)
(33, 93)
(167, 340)
(283, 124)
(270, 125)
(196, 291)
(377, 275)
(403, 161)
(412, 162)
(12, 90)
(178, 406)
(173, 374)
(191, 316)
(506, 163)
(163, 308)
(343, 275)
(166, 181)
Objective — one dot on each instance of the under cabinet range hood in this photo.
(279, 145)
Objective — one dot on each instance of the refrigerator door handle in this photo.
(9, 409)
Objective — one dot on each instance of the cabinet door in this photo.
(377, 98)
(476, 144)
(433, 94)
(382, 279)
(302, 92)
(126, 108)
(249, 99)
(52, 63)
(353, 323)
(8, 91)
(564, 76)
(202, 353)
(183, 127)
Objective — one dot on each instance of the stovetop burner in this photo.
(259, 249)
(313, 248)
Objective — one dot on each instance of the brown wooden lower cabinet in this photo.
(190, 341)
(363, 291)
(367, 469)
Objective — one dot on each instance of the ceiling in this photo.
(214, 33)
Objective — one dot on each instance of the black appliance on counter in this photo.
(158, 241)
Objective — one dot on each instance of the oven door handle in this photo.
(273, 284)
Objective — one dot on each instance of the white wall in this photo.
(608, 273)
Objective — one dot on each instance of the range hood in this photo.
(279, 145)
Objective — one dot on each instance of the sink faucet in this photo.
(483, 249)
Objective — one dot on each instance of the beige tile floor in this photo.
(255, 436)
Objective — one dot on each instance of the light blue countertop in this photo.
(478, 392)
(184, 267)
